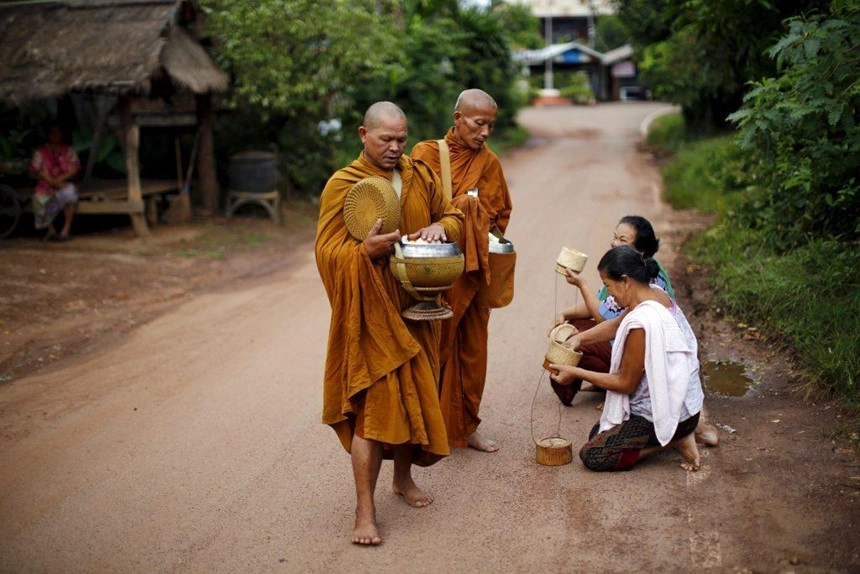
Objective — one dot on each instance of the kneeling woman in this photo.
(654, 395)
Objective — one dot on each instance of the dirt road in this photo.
(195, 445)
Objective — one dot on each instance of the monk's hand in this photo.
(573, 277)
(380, 244)
(562, 374)
(433, 232)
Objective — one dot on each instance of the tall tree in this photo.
(292, 56)
(701, 54)
(803, 128)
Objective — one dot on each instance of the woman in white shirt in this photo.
(654, 394)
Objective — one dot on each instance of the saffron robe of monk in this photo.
(464, 337)
(381, 371)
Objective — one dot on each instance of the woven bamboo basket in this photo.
(562, 332)
(553, 451)
(557, 353)
(370, 199)
(570, 259)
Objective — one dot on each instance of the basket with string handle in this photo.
(552, 450)
(371, 199)
(557, 353)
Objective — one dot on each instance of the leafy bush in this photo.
(667, 133)
(707, 173)
(298, 63)
(701, 54)
(576, 87)
(802, 127)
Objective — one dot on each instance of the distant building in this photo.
(568, 20)
(613, 74)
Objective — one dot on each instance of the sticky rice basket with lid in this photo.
(570, 259)
(553, 451)
(557, 353)
(425, 270)
(371, 199)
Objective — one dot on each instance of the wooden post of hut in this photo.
(131, 134)
(207, 178)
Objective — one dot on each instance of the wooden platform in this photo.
(111, 196)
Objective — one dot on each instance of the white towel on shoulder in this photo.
(669, 362)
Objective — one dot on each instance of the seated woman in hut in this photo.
(55, 164)
(595, 308)
(653, 392)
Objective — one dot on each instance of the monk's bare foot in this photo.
(688, 449)
(707, 434)
(589, 388)
(366, 532)
(414, 496)
(478, 442)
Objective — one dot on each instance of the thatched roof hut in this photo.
(114, 46)
(123, 48)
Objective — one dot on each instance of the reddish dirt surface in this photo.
(69, 299)
(160, 403)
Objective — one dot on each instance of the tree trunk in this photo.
(207, 178)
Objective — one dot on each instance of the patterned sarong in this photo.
(619, 447)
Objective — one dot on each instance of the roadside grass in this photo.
(667, 133)
(807, 299)
(699, 177)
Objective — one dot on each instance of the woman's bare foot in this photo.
(589, 388)
(366, 532)
(599, 407)
(688, 449)
(707, 434)
(414, 496)
(478, 442)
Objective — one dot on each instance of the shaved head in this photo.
(474, 99)
(375, 114)
(474, 118)
(383, 134)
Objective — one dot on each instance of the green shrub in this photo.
(576, 87)
(709, 175)
(802, 127)
(667, 133)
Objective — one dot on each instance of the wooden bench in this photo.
(110, 196)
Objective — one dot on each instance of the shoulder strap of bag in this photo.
(445, 162)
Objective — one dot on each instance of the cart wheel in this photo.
(10, 211)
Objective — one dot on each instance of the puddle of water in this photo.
(726, 378)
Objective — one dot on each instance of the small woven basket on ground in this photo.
(371, 199)
(553, 451)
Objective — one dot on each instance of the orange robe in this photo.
(381, 371)
(464, 337)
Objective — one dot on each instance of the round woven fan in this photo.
(370, 199)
